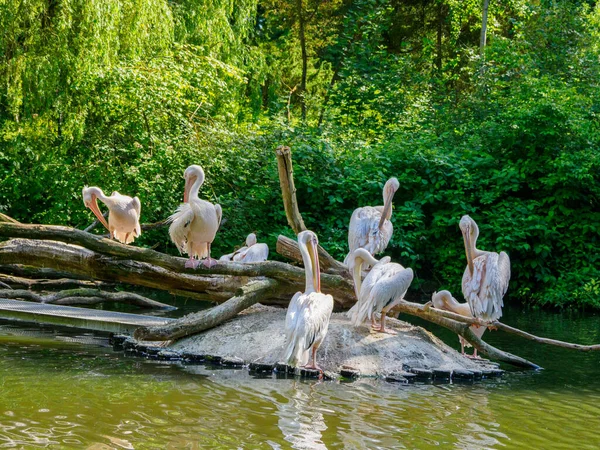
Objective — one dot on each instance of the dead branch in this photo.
(45, 284)
(5, 218)
(289, 248)
(245, 297)
(84, 296)
(22, 270)
(288, 189)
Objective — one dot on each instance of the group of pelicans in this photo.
(194, 225)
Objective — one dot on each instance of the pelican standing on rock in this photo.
(251, 252)
(195, 223)
(123, 213)
(444, 300)
(486, 277)
(307, 318)
(382, 289)
(370, 226)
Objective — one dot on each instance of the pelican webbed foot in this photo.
(209, 262)
(192, 263)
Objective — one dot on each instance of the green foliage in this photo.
(125, 94)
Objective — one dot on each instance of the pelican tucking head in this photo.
(193, 174)
(90, 200)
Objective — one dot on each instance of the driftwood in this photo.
(246, 296)
(15, 282)
(84, 296)
(22, 270)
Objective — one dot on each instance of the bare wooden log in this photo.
(84, 296)
(5, 218)
(246, 296)
(289, 248)
(288, 189)
(22, 270)
(462, 329)
(15, 282)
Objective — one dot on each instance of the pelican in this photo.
(444, 300)
(370, 226)
(195, 223)
(123, 213)
(251, 252)
(486, 277)
(308, 315)
(383, 288)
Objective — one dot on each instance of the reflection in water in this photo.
(69, 390)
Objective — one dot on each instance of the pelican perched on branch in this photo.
(123, 213)
(307, 318)
(486, 277)
(251, 252)
(370, 226)
(195, 223)
(382, 289)
(444, 300)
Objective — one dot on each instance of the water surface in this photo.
(68, 389)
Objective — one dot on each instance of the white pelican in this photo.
(308, 315)
(370, 226)
(251, 252)
(444, 300)
(486, 277)
(195, 223)
(123, 213)
(382, 289)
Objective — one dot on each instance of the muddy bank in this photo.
(257, 337)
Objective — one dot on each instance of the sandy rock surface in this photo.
(257, 335)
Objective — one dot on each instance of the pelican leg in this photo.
(209, 262)
(127, 238)
(462, 347)
(313, 365)
(374, 323)
(382, 328)
(192, 263)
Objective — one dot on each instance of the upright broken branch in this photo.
(288, 189)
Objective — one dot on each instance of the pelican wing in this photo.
(256, 253)
(364, 231)
(137, 206)
(390, 289)
(181, 221)
(485, 288)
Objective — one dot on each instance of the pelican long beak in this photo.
(94, 207)
(356, 275)
(387, 208)
(467, 239)
(316, 273)
(186, 190)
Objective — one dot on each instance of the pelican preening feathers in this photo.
(195, 223)
(370, 226)
(123, 213)
(251, 252)
(486, 277)
(382, 289)
(444, 300)
(308, 314)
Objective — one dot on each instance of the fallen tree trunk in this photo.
(289, 248)
(22, 270)
(84, 296)
(15, 282)
(194, 323)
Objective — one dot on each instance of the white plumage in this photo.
(123, 213)
(383, 287)
(195, 223)
(444, 300)
(251, 252)
(307, 318)
(486, 277)
(370, 226)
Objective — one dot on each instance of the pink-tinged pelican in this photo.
(486, 277)
(251, 252)
(370, 226)
(308, 314)
(195, 223)
(382, 289)
(123, 213)
(444, 300)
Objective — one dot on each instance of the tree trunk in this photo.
(483, 38)
(248, 295)
(301, 35)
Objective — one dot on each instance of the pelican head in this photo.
(389, 190)
(90, 200)
(194, 177)
(250, 240)
(470, 232)
(308, 243)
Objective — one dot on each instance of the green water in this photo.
(65, 389)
